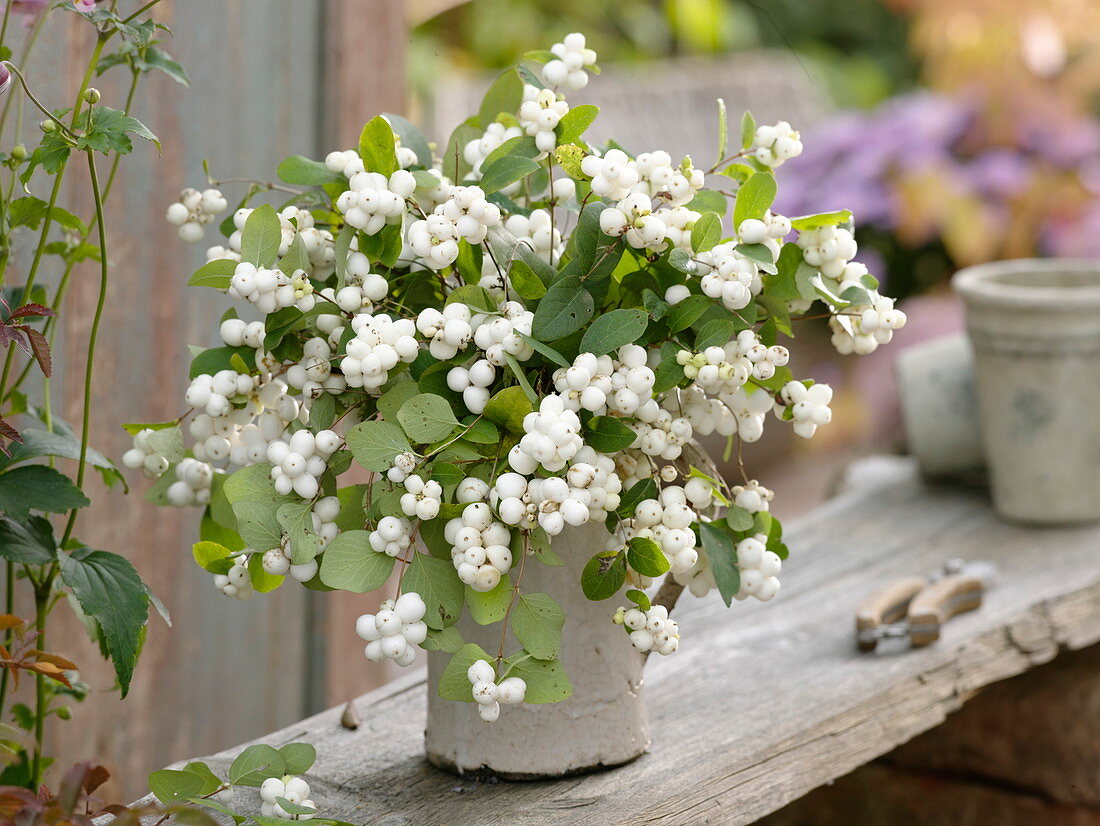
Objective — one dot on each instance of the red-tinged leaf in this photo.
(56, 659)
(32, 309)
(97, 775)
(41, 347)
(50, 670)
(14, 801)
(9, 621)
(9, 334)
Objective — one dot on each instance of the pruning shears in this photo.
(917, 607)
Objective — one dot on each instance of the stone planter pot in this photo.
(602, 724)
(1035, 327)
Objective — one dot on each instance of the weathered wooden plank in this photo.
(231, 670)
(761, 703)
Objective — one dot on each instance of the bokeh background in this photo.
(958, 131)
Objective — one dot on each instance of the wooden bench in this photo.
(763, 703)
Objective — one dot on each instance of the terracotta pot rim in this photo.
(1028, 284)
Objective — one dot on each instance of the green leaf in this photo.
(546, 679)
(427, 418)
(376, 147)
(302, 171)
(603, 575)
(40, 488)
(62, 444)
(455, 166)
(168, 442)
(565, 308)
(546, 350)
(217, 358)
(411, 138)
(723, 559)
(688, 311)
(707, 232)
(29, 541)
(504, 95)
(216, 274)
(256, 764)
(375, 444)
(169, 786)
(639, 598)
(574, 123)
(473, 296)
(525, 282)
(487, 607)
(656, 306)
(645, 556)
(109, 131)
(299, 757)
(258, 524)
(212, 557)
(608, 434)
(537, 622)
(210, 781)
(296, 519)
(110, 592)
(759, 254)
(296, 258)
(707, 200)
(438, 585)
(521, 377)
(822, 219)
(754, 197)
(636, 494)
(723, 131)
(748, 129)
(398, 393)
(454, 684)
(447, 639)
(738, 518)
(261, 236)
(351, 564)
(505, 171)
(508, 407)
(158, 59)
(715, 333)
(612, 330)
(523, 145)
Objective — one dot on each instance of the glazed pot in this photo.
(602, 724)
(1035, 328)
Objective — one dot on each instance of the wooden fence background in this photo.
(268, 78)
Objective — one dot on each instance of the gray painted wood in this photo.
(227, 670)
(763, 702)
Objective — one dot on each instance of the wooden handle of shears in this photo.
(885, 606)
(940, 601)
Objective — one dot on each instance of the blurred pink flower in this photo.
(5, 78)
(29, 8)
(84, 6)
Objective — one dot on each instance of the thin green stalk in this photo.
(4, 25)
(9, 607)
(22, 63)
(93, 336)
(144, 8)
(41, 605)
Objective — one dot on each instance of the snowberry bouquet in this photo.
(515, 334)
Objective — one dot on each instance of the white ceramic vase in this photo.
(1035, 327)
(602, 724)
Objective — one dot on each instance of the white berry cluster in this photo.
(809, 406)
(479, 547)
(773, 145)
(828, 248)
(539, 115)
(662, 436)
(375, 200)
(634, 219)
(473, 383)
(270, 290)
(476, 151)
(299, 463)
(238, 333)
(601, 385)
(650, 630)
(448, 331)
(759, 568)
(380, 343)
(143, 455)
(362, 288)
(313, 374)
(194, 210)
(551, 437)
(421, 498)
(731, 276)
(291, 789)
(550, 503)
(192, 485)
(536, 231)
(279, 561)
(613, 175)
(660, 178)
(501, 334)
(465, 215)
(679, 222)
(770, 228)
(752, 496)
(567, 69)
(667, 521)
(489, 694)
(395, 631)
(213, 394)
(403, 465)
(392, 537)
(236, 582)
